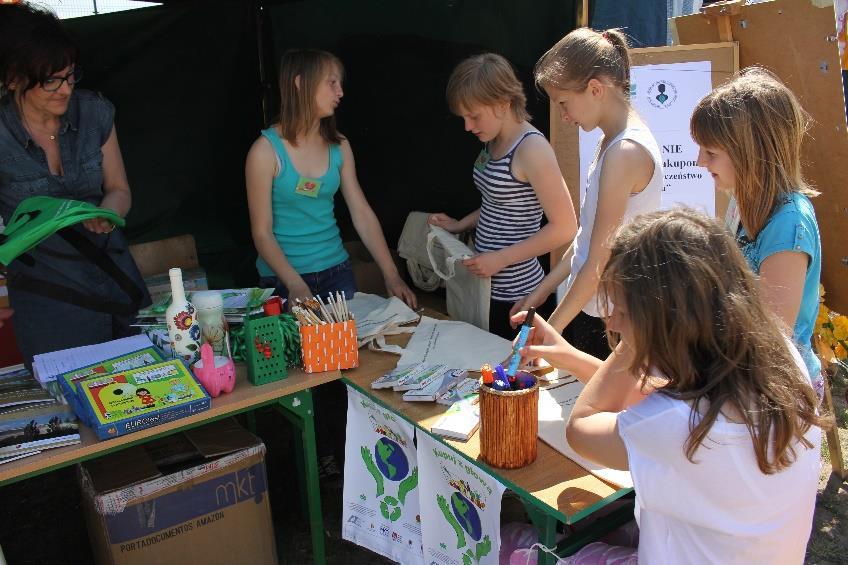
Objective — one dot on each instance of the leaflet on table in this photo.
(68, 381)
(440, 386)
(47, 366)
(461, 420)
(466, 387)
(421, 378)
(28, 428)
(555, 404)
(141, 398)
(18, 388)
(396, 376)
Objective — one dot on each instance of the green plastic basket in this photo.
(269, 347)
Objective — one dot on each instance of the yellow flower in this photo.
(840, 352)
(840, 328)
(821, 293)
(826, 336)
(823, 317)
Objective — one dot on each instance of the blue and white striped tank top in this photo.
(509, 214)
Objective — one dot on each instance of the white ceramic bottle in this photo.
(183, 328)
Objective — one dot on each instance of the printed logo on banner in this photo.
(662, 94)
(388, 462)
(381, 482)
(462, 514)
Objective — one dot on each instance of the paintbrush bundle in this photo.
(327, 333)
(316, 312)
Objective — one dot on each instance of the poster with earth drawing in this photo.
(380, 499)
(460, 507)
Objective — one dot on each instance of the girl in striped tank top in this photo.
(587, 76)
(519, 180)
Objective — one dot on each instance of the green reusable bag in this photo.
(37, 218)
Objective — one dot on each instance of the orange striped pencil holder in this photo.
(329, 347)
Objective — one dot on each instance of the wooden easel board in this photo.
(796, 39)
(724, 60)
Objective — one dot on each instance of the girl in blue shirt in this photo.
(750, 132)
(293, 172)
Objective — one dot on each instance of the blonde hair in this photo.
(583, 55)
(486, 80)
(761, 126)
(297, 103)
(699, 321)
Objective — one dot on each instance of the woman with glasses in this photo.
(80, 286)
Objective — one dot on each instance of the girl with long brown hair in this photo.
(293, 172)
(750, 131)
(703, 399)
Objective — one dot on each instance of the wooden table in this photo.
(553, 488)
(291, 396)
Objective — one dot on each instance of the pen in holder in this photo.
(509, 426)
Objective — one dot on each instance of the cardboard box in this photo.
(197, 497)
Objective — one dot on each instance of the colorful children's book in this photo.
(140, 398)
(461, 420)
(396, 376)
(465, 387)
(68, 381)
(437, 388)
(421, 378)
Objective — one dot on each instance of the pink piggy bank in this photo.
(216, 373)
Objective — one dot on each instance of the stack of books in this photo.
(31, 420)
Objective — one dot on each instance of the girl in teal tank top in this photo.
(293, 172)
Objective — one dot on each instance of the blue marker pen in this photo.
(522, 341)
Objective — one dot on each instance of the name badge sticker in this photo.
(308, 187)
(482, 160)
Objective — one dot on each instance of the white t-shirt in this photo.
(721, 509)
(647, 200)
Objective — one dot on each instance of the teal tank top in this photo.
(304, 222)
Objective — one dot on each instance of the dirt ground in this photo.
(829, 540)
(41, 519)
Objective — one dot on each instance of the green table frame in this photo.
(292, 397)
(544, 516)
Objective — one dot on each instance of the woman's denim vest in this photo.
(55, 263)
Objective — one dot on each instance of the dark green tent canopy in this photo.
(185, 78)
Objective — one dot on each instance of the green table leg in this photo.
(300, 464)
(298, 409)
(546, 524)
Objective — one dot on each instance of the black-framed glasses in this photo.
(52, 84)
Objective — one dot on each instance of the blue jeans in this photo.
(338, 278)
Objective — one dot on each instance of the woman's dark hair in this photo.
(33, 45)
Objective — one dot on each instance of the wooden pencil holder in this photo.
(329, 347)
(509, 426)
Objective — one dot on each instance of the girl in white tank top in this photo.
(587, 76)
(647, 200)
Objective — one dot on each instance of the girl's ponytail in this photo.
(583, 55)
